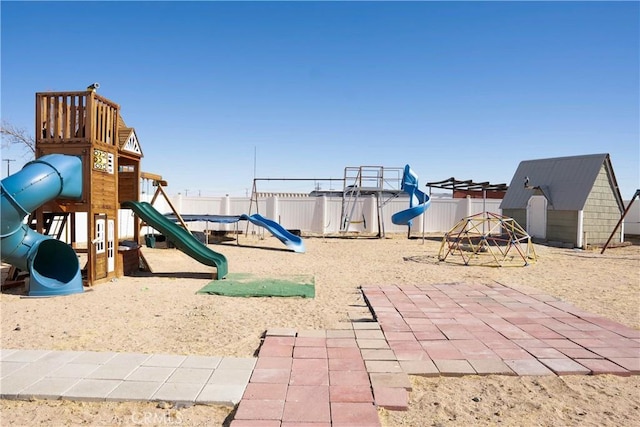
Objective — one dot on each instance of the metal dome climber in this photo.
(488, 239)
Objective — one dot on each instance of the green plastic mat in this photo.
(247, 285)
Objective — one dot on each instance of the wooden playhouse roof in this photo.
(125, 135)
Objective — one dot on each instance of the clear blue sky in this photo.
(305, 89)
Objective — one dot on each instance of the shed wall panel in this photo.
(519, 215)
(601, 212)
(562, 226)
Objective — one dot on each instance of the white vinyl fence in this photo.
(321, 215)
(632, 219)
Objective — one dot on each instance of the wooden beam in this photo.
(151, 176)
(160, 191)
(636, 194)
(175, 211)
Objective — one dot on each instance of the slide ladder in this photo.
(350, 197)
(54, 223)
(361, 181)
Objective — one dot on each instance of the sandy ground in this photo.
(161, 313)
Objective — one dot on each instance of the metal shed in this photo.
(574, 201)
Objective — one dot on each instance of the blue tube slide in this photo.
(418, 200)
(52, 264)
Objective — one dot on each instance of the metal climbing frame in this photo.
(384, 183)
(488, 239)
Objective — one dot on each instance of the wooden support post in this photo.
(175, 211)
(637, 193)
(158, 182)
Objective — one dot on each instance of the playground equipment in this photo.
(160, 183)
(88, 128)
(180, 236)
(290, 240)
(52, 264)
(419, 202)
(255, 203)
(488, 239)
(377, 181)
(360, 185)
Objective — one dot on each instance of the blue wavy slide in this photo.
(418, 200)
(292, 241)
(53, 265)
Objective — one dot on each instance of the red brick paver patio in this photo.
(340, 377)
(480, 329)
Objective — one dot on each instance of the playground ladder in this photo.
(53, 223)
(359, 181)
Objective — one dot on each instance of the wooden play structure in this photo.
(89, 126)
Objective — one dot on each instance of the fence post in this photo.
(319, 216)
(273, 208)
(225, 208)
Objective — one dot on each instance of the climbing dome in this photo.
(488, 239)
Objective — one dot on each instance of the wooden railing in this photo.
(75, 117)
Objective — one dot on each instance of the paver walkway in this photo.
(320, 377)
(340, 377)
(468, 328)
(325, 378)
(87, 375)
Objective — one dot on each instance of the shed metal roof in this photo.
(565, 181)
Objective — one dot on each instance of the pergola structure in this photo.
(461, 189)
(488, 239)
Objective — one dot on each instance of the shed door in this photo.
(537, 217)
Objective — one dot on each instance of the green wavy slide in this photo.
(180, 237)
